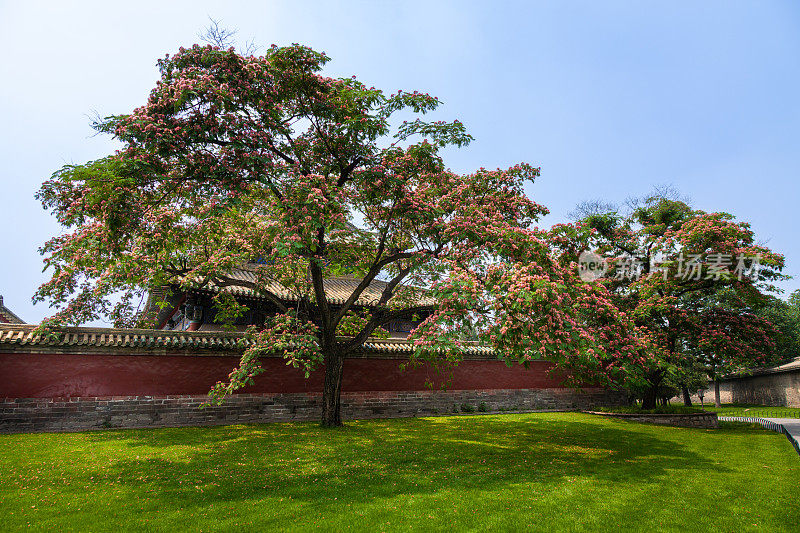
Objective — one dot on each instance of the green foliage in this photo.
(482, 407)
(661, 409)
(467, 408)
(287, 335)
(658, 214)
(785, 316)
(352, 323)
(229, 310)
(693, 375)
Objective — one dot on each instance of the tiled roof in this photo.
(401, 346)
(6, 316)
(75, 338)
(337, 289)
(122, 338)
(791, 366)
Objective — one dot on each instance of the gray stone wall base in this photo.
(77, 414)
(705, 419)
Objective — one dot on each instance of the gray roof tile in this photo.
(17, 335)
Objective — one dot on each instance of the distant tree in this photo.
(726, 340)
(785, 316)
(688, 379)
(235, 157)
(694, 280)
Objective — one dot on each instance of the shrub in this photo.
(660, 410)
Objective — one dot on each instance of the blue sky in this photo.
(609, 98)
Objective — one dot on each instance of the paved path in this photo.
(788, 426)
(791, 425)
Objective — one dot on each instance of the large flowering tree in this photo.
(236, 157)
(694, 280)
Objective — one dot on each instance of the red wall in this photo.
(57, 375)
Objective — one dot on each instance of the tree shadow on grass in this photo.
(379, 459)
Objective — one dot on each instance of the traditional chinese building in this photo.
(8, 317)
(194, 310)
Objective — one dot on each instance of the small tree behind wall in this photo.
(693, 280)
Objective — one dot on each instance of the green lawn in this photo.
(761, 411)
(547, 472)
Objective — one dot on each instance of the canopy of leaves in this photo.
(694, 280)
(785, 316)
(236, 157)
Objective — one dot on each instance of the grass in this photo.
(760, 411)
(535, 472)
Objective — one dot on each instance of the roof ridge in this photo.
(5, 311)
(120, 331)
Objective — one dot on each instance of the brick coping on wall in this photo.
(21, 338)
(704, 419)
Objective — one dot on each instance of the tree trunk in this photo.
(332, 391)
(717, 403)
(650, 397)
(687, 398)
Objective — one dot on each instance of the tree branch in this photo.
(322, 303)
(222, 282)
(365, 282)
(379, 319)
(345, 174)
